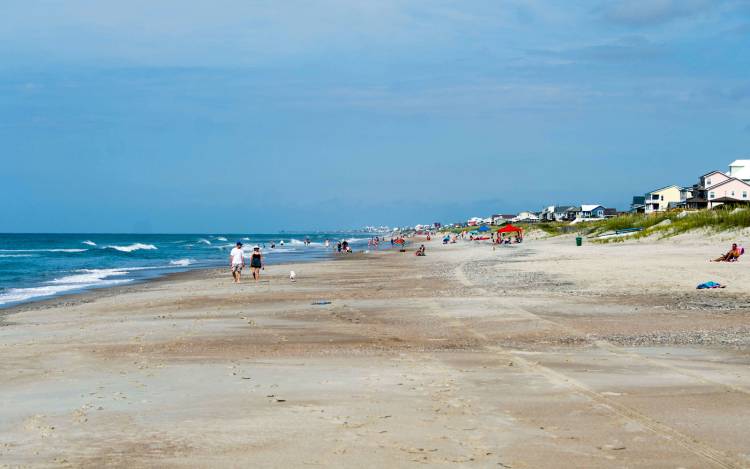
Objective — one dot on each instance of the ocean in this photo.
(40, 266)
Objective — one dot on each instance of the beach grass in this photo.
(663, 224)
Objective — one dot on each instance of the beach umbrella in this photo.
(484, 228)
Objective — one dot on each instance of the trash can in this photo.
(579, 241)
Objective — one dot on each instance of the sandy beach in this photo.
(540, 355)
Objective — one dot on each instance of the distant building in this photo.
(554, 213)
(659, 200)
(716, 188)
(528, 217)
(586, 212)
(502, 219)
(591, 211)
(740, 169)
(638, 205)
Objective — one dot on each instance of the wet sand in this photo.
(538, 355)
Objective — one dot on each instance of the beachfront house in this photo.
(740, 169)
(638, 204)
(527, 217)
(658, 200)
(571, 213)
(591, 211)
(716, 188)
(610, 212)
(587, 212)
(733, 191)
(474, 221)
(554, 213)
(502, 219)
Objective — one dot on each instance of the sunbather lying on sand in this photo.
(730, 256)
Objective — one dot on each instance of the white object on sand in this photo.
(292, 276)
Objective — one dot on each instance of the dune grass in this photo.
(712, 220)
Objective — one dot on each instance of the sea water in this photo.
(38, 266)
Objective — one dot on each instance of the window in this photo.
(708, 182)
(744, 194)
(662, 197)
(654, 196)
(711, 195)
(732, 193)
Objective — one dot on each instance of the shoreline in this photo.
(88, 294)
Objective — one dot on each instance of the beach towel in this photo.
(706, 285)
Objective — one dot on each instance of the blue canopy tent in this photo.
(484, 228)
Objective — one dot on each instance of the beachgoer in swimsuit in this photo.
(732, 255)
(256, 262)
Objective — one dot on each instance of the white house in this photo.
(526, 217)
(740, 169)
(502, 219)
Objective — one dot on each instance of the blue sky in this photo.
(252, 116)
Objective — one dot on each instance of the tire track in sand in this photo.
(709, 453)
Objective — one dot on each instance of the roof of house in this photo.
(740, 163)
(713, 172)
(664, 188)
(562, 208)
(589, 208)
(730, 200)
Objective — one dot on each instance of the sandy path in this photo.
(541, 355)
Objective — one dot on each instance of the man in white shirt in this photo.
(237, 261)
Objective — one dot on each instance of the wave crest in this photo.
(133, 247)
(181, 262)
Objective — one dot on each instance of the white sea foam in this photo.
(88, 276)
(133, 247)
(278, 249)
(204, 241)
(221, 238)
(16, 255)
(90, 243)
(81, 279)
(182, 262)
(245, 239)
(43, 250)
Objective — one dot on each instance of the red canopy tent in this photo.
(510, 229)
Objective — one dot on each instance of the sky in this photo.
(253, 116)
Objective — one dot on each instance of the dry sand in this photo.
(538, 355)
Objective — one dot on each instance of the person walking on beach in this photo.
(256, 262)
(237, 262)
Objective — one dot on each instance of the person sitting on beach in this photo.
(731, 256)
(237, 261)
(420, 251)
